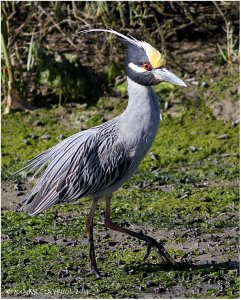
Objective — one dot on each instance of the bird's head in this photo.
(144, 64)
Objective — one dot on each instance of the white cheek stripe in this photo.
(136, 68)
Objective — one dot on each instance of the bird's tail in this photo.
(58, 153)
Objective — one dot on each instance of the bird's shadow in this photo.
(181, 266)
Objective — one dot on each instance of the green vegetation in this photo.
(52, 59)
(186, 193)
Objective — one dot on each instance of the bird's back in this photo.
(84, 164)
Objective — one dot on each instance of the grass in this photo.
(48, 254)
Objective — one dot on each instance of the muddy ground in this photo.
(186, 194)
(205, 262)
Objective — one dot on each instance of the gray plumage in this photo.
(99, 160)
(96, 162)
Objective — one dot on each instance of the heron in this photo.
(98, 161)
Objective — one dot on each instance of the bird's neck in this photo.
(142, 113)
(142, 99)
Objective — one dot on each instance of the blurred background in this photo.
(46, 58)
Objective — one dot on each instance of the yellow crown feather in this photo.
(155, 57)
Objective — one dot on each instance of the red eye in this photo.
(147, 67)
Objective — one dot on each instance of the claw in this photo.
(148, 250)
(151, 243)
(95, 272)
(165, 256)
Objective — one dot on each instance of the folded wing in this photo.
(84, 164)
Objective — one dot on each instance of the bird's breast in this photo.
(139, 128)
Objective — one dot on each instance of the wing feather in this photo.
(82, 165)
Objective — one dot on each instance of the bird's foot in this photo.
(152, 243)
(96, 272)
(148, 250)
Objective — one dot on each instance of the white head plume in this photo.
(155, 57)
(130, 39)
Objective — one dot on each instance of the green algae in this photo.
(48, 254)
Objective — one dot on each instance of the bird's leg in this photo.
(149, 240)
(148, 251)
(89, 231)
